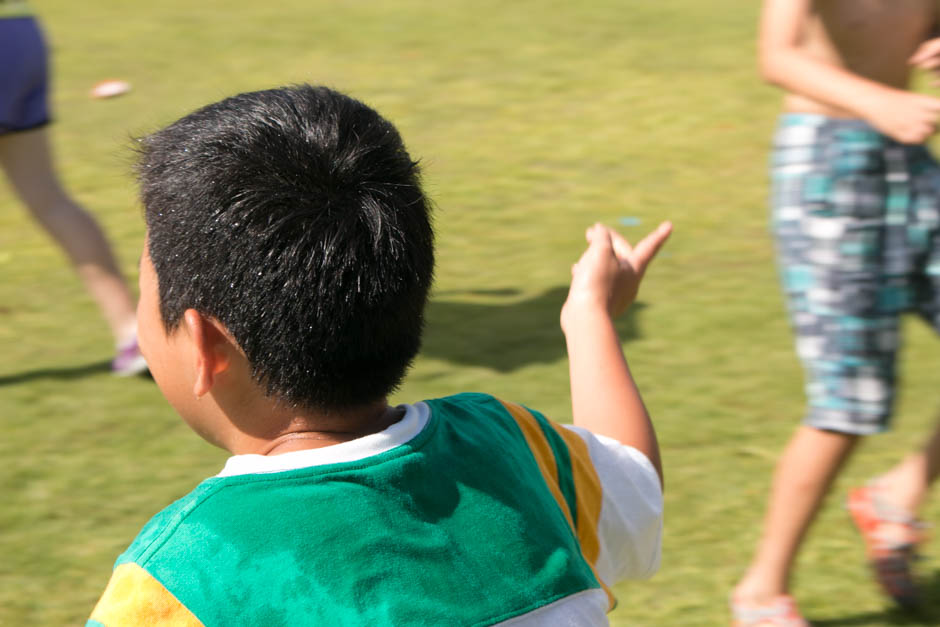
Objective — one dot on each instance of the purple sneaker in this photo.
(128, 361)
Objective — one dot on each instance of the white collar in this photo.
(415, 418)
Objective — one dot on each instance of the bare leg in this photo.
(803, 476)
(27, 161)
(907, 483)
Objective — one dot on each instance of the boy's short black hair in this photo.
(294, 217)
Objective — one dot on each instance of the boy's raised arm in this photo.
(907, 117)
(604, 397)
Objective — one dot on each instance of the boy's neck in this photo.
(327, 430)
(283, 429)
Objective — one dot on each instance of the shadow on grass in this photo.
(504, 336)
(927, 614)
(62, 374)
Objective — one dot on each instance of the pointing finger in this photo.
(647, 248)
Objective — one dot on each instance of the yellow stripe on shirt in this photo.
(588, 492)
(134, 597)
(542, 452)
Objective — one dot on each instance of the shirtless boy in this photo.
(856, 215)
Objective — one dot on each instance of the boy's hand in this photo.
(608, 274)
(927, 57)
(908, 117)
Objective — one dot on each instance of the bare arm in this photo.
(784, 63)
(903, 115)
(604, 397)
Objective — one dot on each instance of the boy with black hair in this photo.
(288, 259)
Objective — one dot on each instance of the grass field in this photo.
(532, 119)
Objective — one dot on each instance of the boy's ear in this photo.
(212, 346)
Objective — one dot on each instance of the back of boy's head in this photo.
(294, 217)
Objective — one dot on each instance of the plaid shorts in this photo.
(856, 217)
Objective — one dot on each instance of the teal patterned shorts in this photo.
(856, 217)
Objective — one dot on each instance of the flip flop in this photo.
(780, 612)
(891, 537)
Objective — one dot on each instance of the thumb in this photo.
(647, 247)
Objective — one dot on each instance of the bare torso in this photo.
(871, 38)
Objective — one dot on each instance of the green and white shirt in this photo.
(468, 511)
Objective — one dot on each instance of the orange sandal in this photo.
(891, 537)
(781, 612)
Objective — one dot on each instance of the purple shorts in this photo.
(23, 75)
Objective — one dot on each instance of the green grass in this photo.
(532, 119)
